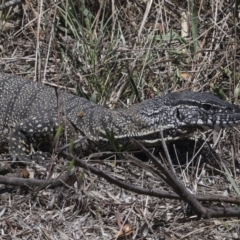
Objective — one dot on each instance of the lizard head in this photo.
(189, 111)
(202, 110)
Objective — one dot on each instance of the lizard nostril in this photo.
(179, 116)
(178, 113)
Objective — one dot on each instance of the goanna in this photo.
(31, 113)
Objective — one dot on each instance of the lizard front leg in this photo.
(30, 132)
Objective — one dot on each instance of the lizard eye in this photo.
(206, 106)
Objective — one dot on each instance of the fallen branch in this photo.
(50, 183)
(217, 213)
(177, 186)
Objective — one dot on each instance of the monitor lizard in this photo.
(31, 113)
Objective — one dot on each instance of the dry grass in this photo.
(117, 53)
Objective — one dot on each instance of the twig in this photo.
(68, 145)
(51, 183)
(142, 165)
(167, 153)
(178, 187)
(226, 212)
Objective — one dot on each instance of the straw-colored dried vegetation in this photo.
(117, 53)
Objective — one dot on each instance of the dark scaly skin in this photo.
(29, 116)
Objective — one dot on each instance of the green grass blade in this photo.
(195, 28)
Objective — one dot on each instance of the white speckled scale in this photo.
(29, 116)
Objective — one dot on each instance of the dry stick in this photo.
(167, 153)
(172, 181)
(218, 198)
(51, 183)
(144, 166)
(69, 145)
(217, 213)
(115, 181)
(49, 47)
(185, 194)
(149, 4)
(38, 55)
